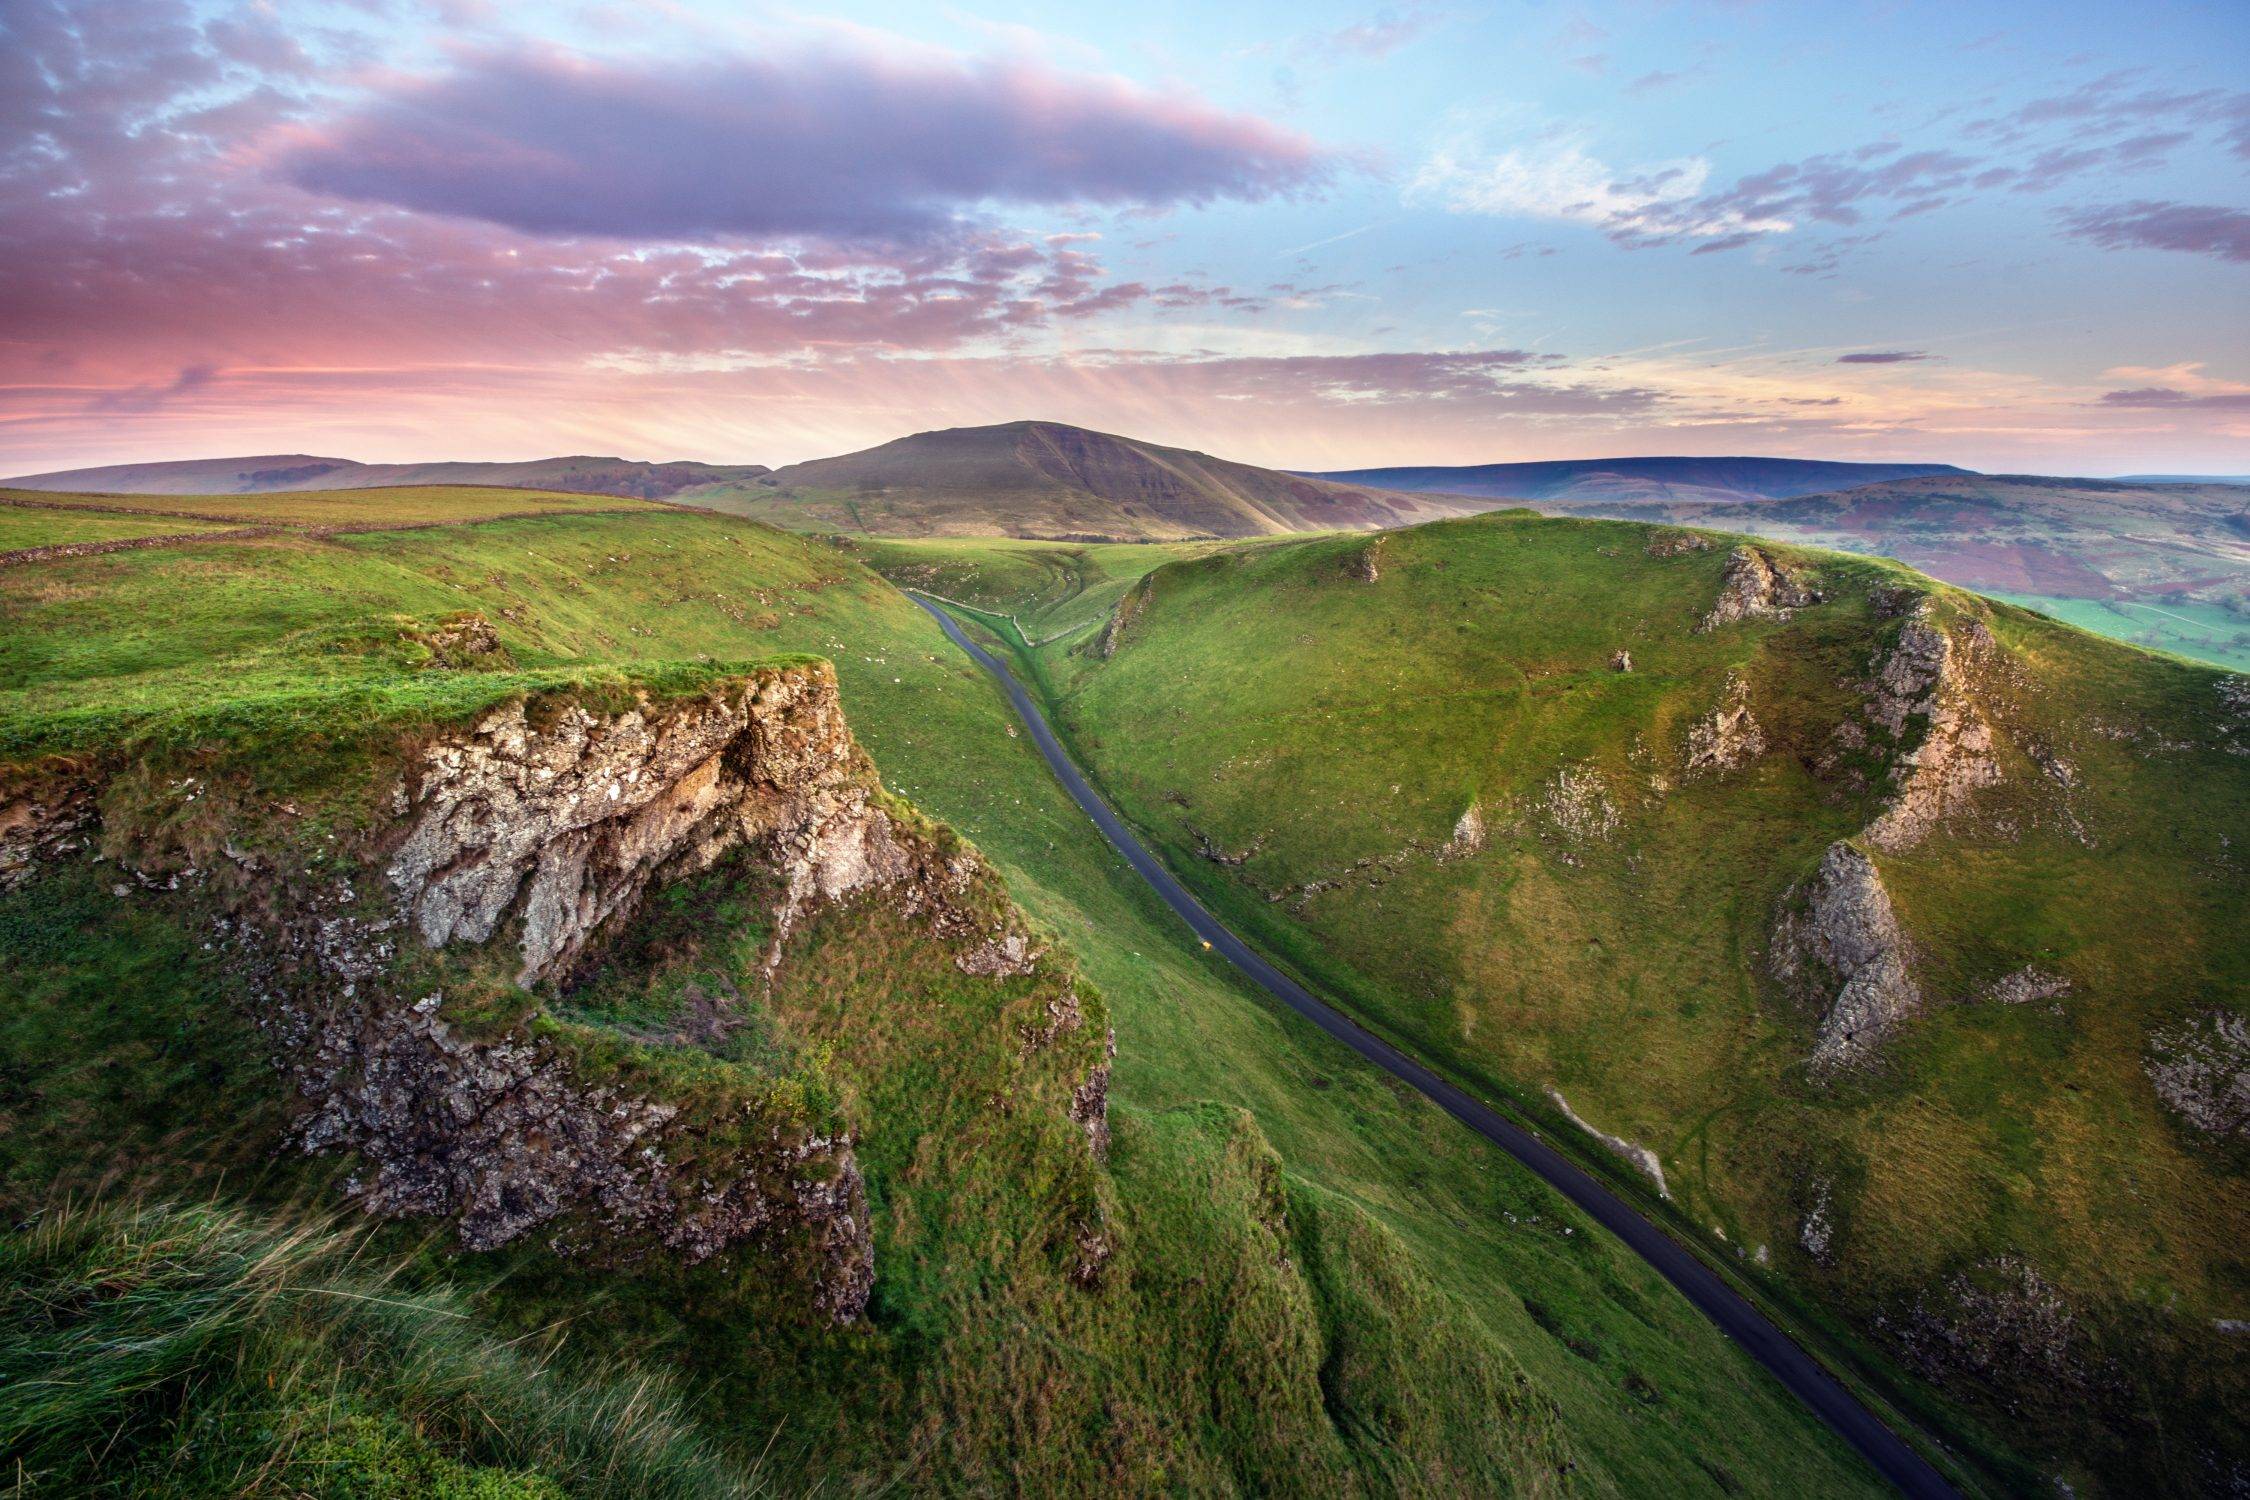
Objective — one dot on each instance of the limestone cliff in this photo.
(543, 824)
(1756, 587)
(1840, 944)
(1925, 679)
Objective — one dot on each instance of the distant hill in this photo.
(302, 471)
(2183, 479)
(1045, 479)
(1647, 480)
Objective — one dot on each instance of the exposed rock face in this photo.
(2026, 986)
(567, 823)
(1089, 1103)
(42, 816)
(1641, 1157)
(1367, 562)
(1844, 946)
(2201, 1070)
(504, 1135)
(1817, 1232)
(1121, 620)
(1621, 660)
(1924, 677)
(1755, 587)
(464, 640)
(559, 825)
(1469, 834)
(1577, 804)
(1999, 1326)
(1674, 543)
(1727, 736)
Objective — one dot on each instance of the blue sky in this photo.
(2010, 236)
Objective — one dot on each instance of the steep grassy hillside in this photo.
(1345, 1307)
(1905, 931)
(408, 505)
(1043, 479)
(302, 471)
(1643, 480)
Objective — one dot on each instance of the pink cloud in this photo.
(837, 143)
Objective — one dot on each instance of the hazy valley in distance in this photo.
(2160, 561)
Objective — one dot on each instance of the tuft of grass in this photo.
(195, 1349)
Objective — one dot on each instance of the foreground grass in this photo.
(1650, 1397)
(200, 1350)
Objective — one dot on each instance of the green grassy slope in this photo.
(1303, 740)
(406, 505)
(38, 526)
(1421, 1269)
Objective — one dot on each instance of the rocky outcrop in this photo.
(1999, 1327)
(2201, 1070)
(44, 813)
(2026, 986)
(1621, 660)
(1924, 678)
(1121, 619)
(1469, 834)
(1755, 587)
(466, 640)
(506, 1134)
(1839, 944)
(1367, 563)
(1645, 1160)
(1728, 736)
(562, 825)
(1675, 543)
(1576, 804)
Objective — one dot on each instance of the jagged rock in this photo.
(1817, 1232)
(1469, 834)
(1647, 1161)
(43, 813)
(1839, 942)
(2026, 986)
(1576, 802)
(2201, 1070)
(1089, 1102)
(1674, 543)
(1999, 1327)
(1121, 619)
(504, 1134)
(1727, 736)
(1755, 587)
(1367, 562)
(565, 824)
(1621, 660)
(464, 640)
(1209, 849)
(1923, 677)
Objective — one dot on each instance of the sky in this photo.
(2013, 236)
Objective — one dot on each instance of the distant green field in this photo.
(29, 526)
(411, 505)
(296, 636)
(2203, 631)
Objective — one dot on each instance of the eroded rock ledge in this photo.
(1840, 943)
(1756, 587)
(541, 826)
(565, 824)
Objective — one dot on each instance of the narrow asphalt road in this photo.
(1736, 1317)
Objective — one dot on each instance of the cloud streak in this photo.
(843, 143)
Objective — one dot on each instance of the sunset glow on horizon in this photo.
(1992, 235)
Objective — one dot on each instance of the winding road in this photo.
(1798, 1371)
